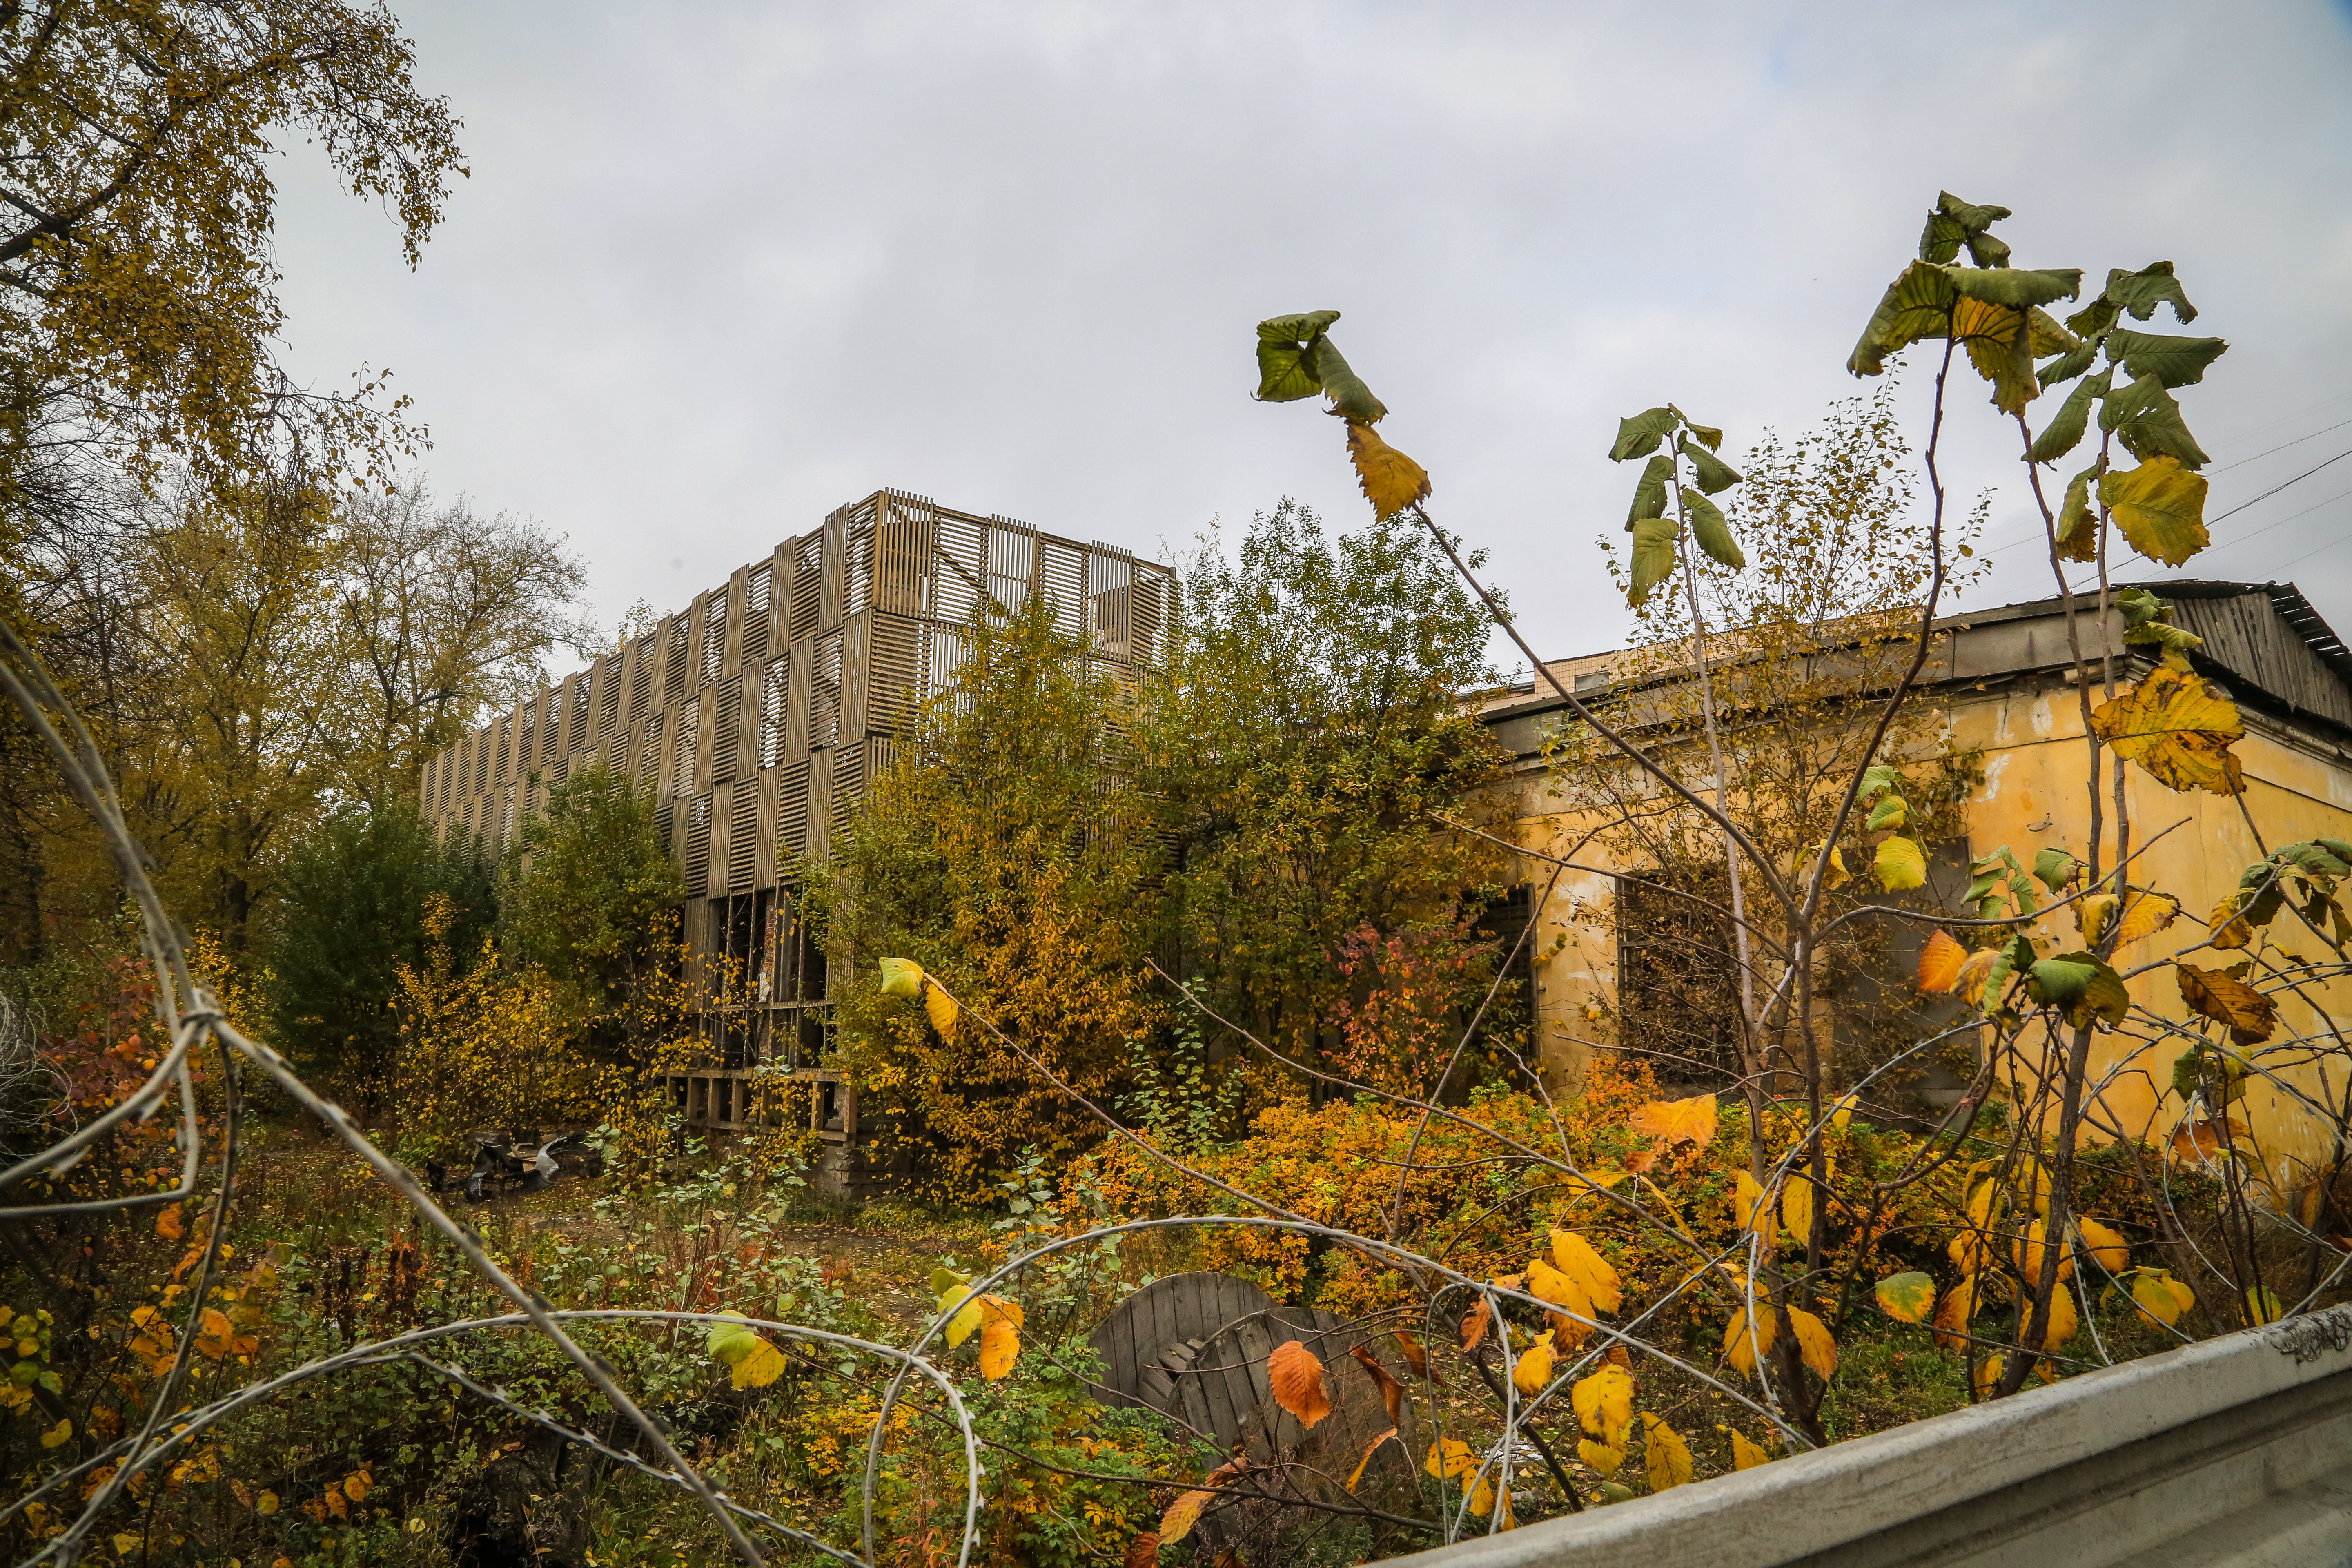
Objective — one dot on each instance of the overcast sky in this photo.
(720, 268)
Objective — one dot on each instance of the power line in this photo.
(2280, 486)
(2283, 446)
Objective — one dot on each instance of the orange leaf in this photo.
(999, 1346)
(168, 1224)
(1392, 1391)
(1369, 1449)
(1688, 1120)
(1143, 1552)
(1185, 1512)
(2205, 1140)
(1416, 1356)
(1297, 1380)
(1939, 963)
(2215, 993)
(1474, 1325)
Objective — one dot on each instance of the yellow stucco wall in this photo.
(2029, 736)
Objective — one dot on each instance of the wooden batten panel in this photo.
(894, 672)
(1012, 564)
(902, 554)
(758, 612)
(824, 692)
(1146, 612)
(739, 615)
(820, 801)
(1062, 578)
(959, 567)
(726, 729)
(848, 783)
(807, 608)
(742, 833)
(763, 866)
(829, 610)
(856, 638)
(697, 813)
(791, 809)
(858, 566)
(703, 715)
(800, 666)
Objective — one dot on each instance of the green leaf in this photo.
(1708, 527)
(2176, 362)
(1650, 494)
(901, 978)
(2202, 1066)
(1349, 393)
(1951, 223)
(1713, 473)
(944, 1279)
(1653, 555)
(2080, 985)
(1907, 1298)
(2048, 336)
(2160, 509)
(2078, 525)
(2142, 291)
(1893, 811)
(2017, 955)
(2015, 287)
(2146, 420)
(2093, 319)
(1918, 304)
(2069, 365)
(1900, 864)
(1639, 436)
(1301, 328)
(731, 1341)
(1286, 373)
(2064, 431)
(1988, 250)
(2054, 870)
(2140, 606)
(1876, 779)
(1709, 435)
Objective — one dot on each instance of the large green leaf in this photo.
(1349, 393)
(1650, 495)
(2055, 869)
(2080, 985)
(2016, 287)
(1999, 345)
(1285, 371)
(2176, 362)
(2160, 509)
(1916, 305)
(1639, 436)
(2142, 291)
(1951, 223)
(2049, 337)
(2072, 362)
(1988, 250)
(1708, 527)
(2064, 431)
(1713, 473)
(2146, 420)
(2078, 525)
(1653, 555)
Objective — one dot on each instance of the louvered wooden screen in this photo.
(760, 714)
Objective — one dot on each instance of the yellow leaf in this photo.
(2109, 1246)
(2063, 1321)
(168, 1224)
(2230, 928)
(942, 1009)
(2249, 1015)
(59, 1435)
(266, 1502)
(1450, 1459)
(2160, 509)
(1664, 1454)
(1814, 1345)
(1369, 1449)
(1532, 1370)
(2262, 1305)
(2091, 914)
(1549, 1284)
(1747, 1456)
(1987, 1375)
(999, 1343)
(967, 1317)
(1748, 1337)
(1999, 340)
(2026, 1252)
(1970, 981)
(1575, 1256)
(1600, 1456)
(901, 978)
(1957, 1310)
(1390, 481)
(2145, 914)
(1688, 1120)
(1907, 1298)
(1940, 961)
(760, 1364)
(1751, 1208)
(1900, 864)
(1185, 1512)
(356, 1485)
(2162, 1297)
(1797, 1207)
(1603, 1403)
(1296, 1376)
(2178, 726)
(1836, 876)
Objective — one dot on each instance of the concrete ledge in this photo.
(2231, 1450)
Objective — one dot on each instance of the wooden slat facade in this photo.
(759, 713)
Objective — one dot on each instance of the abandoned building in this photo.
(757, 714)
(1998, 691)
